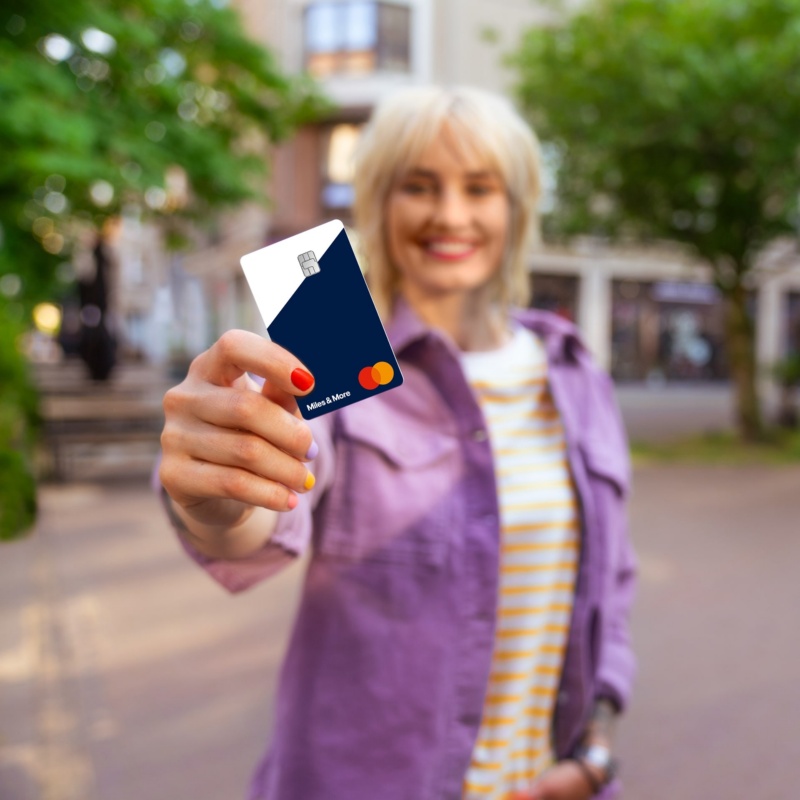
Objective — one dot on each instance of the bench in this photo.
(95, 425)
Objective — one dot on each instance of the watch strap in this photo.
(591, 778)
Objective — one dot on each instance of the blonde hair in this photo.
(485, 124)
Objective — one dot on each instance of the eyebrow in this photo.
(429, 173)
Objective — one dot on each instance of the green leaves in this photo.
(685, 115)
(19, 422)
(121, 93)
(107, 103)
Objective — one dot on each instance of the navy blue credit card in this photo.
(315, 302)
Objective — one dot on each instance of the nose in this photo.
(452, 208)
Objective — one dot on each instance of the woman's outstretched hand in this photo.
(230, 446)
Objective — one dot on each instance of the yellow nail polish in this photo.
(310, 481)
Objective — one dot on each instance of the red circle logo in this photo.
(377, 375)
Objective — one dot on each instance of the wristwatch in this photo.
(599, 757)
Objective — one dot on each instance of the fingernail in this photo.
(302, 380)
(310, 481)
(312, 451)
(293, 501)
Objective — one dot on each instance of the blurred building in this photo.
(648, 314)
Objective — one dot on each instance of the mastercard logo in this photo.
(377, 375)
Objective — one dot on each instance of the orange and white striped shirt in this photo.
(540, 543)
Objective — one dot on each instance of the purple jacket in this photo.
(382, 688)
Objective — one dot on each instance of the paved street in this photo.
(659, 413)
(126, 674)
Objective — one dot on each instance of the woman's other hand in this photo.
(563, 781)
(230, 446)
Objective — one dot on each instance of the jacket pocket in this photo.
(608, 463)
(393, 497)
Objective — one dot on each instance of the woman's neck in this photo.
(471, 320)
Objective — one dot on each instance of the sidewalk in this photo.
(126, 674)
(660, 413)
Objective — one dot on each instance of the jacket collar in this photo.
(561, 338)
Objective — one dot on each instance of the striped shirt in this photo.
(540, 544)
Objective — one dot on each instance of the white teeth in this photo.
(450, 248)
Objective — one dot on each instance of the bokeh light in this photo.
(42, 226)
(57, 47)
(53, 243)
(47, 318)
(98, 42)
(172, 61)
(155, 131)
(102, 193)
(10, 285)
(155, 197)
(55, 183)
(55, 202)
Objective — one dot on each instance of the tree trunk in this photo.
(740, 334)
(787, 413)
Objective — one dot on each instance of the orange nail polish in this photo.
(310, 481)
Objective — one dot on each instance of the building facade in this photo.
(647, 314)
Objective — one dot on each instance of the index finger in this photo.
(237, 352)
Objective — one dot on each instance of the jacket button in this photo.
(479, 435)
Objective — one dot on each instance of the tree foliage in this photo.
(103, 100)
(676, 120)
(19, 423)
(106, 104)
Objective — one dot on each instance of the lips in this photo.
(450, 249)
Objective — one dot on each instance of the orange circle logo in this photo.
(377, 375)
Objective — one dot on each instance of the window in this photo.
(792, 324)
(339, 146)
(356, 38)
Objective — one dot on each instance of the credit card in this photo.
(315, 303)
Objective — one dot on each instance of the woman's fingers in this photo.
(237, 352)
(194, 483)
(239, 409)
(227, 443)
(240, 450)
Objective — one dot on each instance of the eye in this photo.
(481, 189)
(416, 187)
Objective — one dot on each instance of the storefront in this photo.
(556, 293)
(667, 331)
(791, 334)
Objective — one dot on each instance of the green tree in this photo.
(676, 120)
(102, 101)
(19, 422)
(106, 103)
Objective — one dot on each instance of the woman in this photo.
(463, 626)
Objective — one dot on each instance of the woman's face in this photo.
(448, 222)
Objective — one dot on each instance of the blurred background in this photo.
(148, 144)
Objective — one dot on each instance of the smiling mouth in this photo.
(450, 250)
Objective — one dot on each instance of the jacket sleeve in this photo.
(617, 662)
(292, 535)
